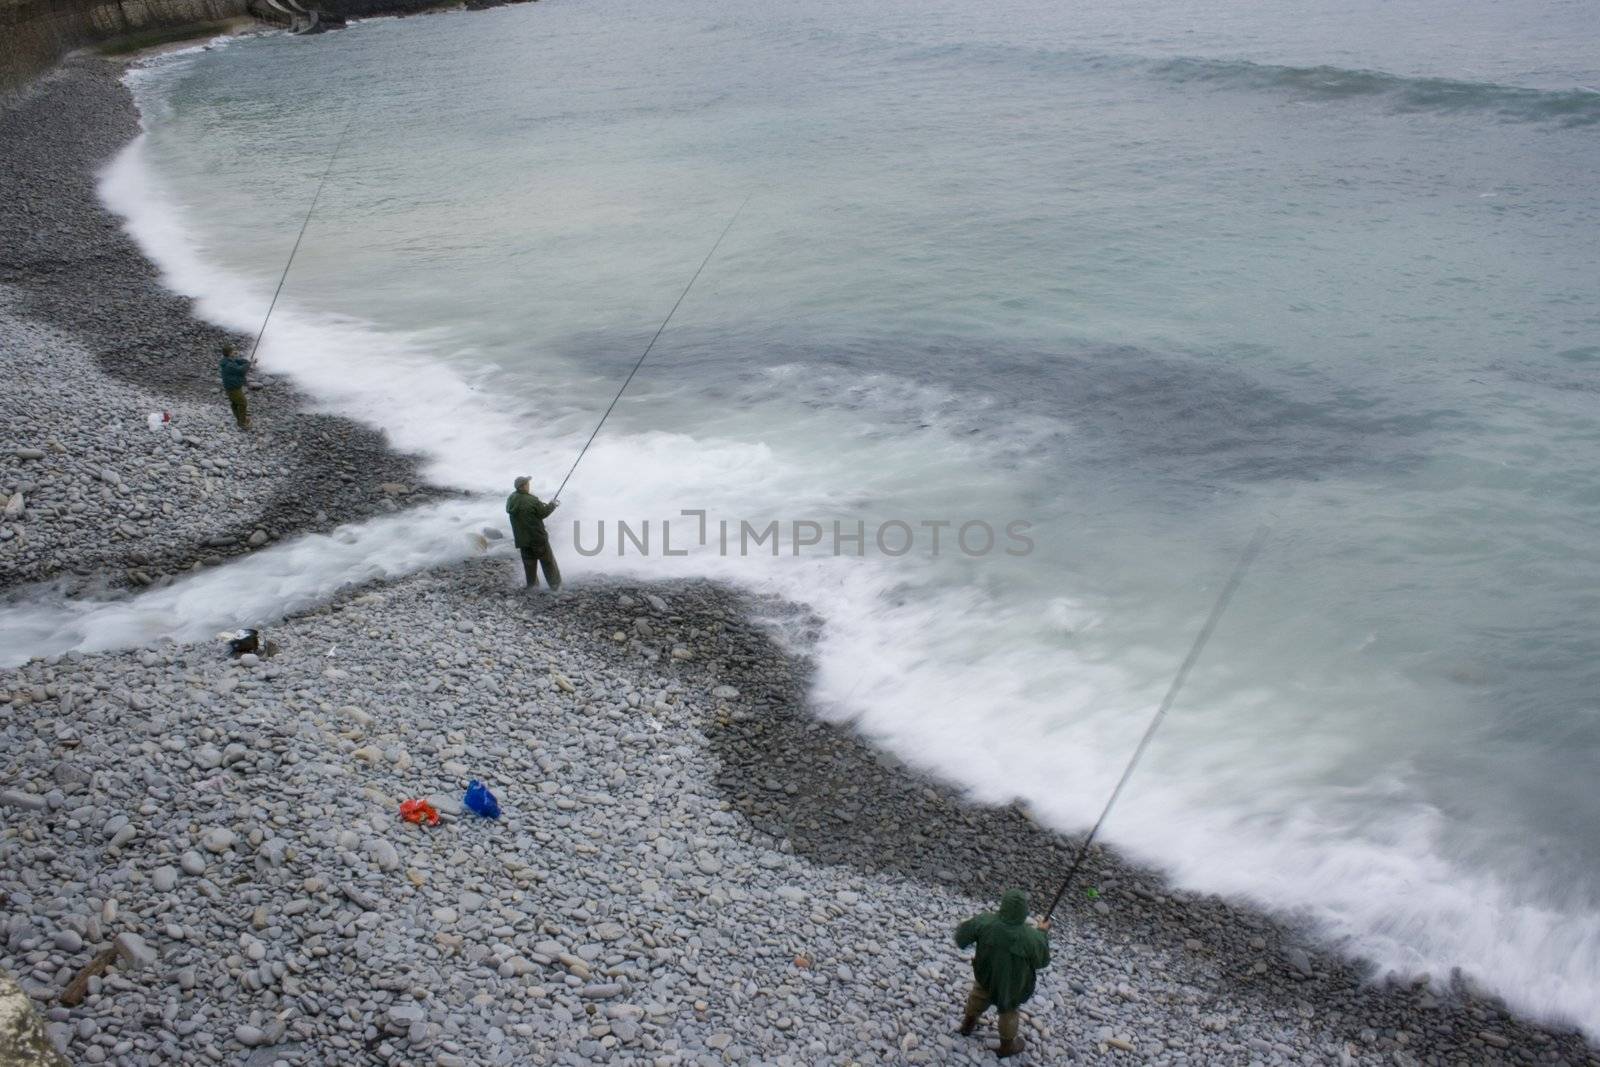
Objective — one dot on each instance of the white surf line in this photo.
(262, 588)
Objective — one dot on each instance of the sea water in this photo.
(1139, 277)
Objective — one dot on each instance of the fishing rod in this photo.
(299, 237)
(645, 355)
(1200, 640)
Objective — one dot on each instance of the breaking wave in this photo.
(1577, 106)
(1566, 107)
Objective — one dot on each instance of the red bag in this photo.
(419, 811)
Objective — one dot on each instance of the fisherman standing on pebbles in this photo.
(1010, 953)
(528, 513)
(234, 371)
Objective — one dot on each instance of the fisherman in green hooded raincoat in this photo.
(1010, 952)
(235, 373)
(527, 514)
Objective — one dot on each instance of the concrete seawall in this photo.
(35, 33)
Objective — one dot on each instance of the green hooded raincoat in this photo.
(528, 513)
(1009, 951)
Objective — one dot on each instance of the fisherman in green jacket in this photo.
(528, 513)
(1009, 953)
(234, 371)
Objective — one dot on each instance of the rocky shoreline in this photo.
(90, 344)
(690, 868)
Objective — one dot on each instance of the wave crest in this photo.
(1566, 107)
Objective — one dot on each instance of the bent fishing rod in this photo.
(646, 353)
(300, 236)
(1182, 676)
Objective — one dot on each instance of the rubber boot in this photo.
(1010, 1048)
(969, 1023)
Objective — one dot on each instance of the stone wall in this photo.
(35, 33)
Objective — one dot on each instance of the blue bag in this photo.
(481, 801)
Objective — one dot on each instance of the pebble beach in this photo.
(690, 868)
(93, 345)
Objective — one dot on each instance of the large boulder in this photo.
(23, 1041)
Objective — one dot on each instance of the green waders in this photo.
(533, 559)
(978, 1003)
(240, 405)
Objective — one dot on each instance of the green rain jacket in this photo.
(1009, 951)
(233, 370)
(528, 513)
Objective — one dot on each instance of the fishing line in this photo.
(293, 251)
(643, 356)
(1200, 640)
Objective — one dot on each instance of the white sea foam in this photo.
(256, 590)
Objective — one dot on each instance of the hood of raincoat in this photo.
(1014, 907)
